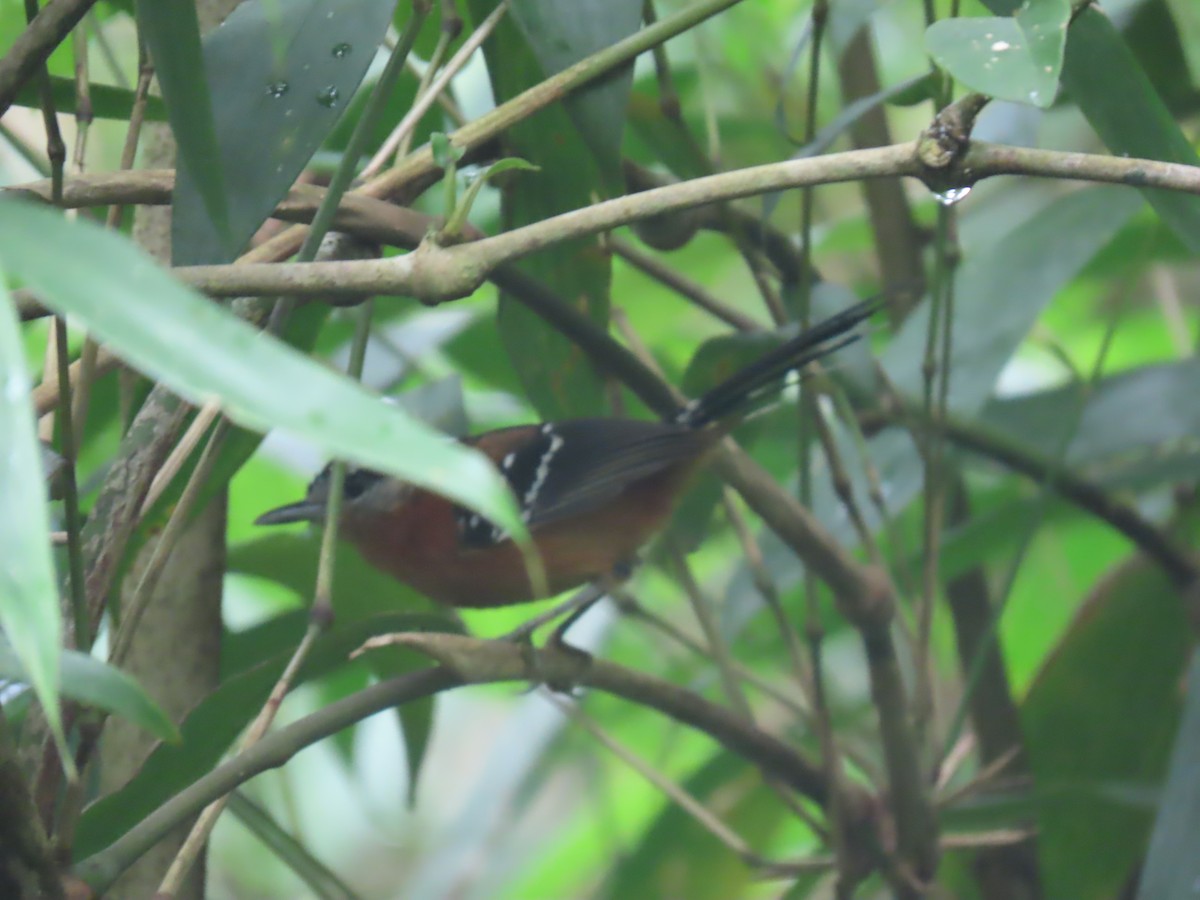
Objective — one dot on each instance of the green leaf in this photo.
(95, 683)
(678, 857)
(1158, 407)
(213, 725)
(463, 209)
(1000, 290)
(559, 35)
(280, 76)
(1187, 22)
(203, 351)
(29, 612)
(558, 378)
(445, 153)
(1172, 867)
(1098, 722)
(1102, 75)
(1043, 24)
(172, 33)
(1104, 78)
(992, 56)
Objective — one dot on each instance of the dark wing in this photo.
(566, 469)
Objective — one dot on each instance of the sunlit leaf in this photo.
(1099, 721)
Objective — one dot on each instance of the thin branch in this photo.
(34, 45)
(674, 792)
(419, 169)
(428, 94)
(435, 274)
(691, 291)
(1177, 562)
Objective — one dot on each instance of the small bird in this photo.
(591, 491)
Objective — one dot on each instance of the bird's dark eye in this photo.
(358, 481)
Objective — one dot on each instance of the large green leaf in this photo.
(1186, 16)
(678, 857)
(1172, 868)
(95, 683)
(1016, 59)
(280, 75)
(29, 613)
(1001, 289)
(203, 351)
(559, 35)
(1158, 408)
(1102, 75)
(1098, 723)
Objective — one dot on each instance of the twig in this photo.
(34, 45)
(427, 97)
(766, 587)
(180, 516)
(702, 609)
(77, 589)
(691, 291)
(675, 792)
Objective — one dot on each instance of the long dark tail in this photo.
(740, 388)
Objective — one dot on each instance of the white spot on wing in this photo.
(543, 469)
(684, 416)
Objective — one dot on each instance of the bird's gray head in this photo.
(362, 491)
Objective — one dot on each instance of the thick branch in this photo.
(467, 660)
(446, 273)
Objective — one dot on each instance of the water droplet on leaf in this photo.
(328, 96)
(341, 51)
(277, 89)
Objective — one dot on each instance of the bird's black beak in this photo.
(304, 511)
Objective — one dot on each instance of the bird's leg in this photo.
(583, 599)
(573, 608)
(598, 589)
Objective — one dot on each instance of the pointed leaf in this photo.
(172, 33)
(95, 683)
(203, 351)
(29, 612)
(992, 56)
(280, 75)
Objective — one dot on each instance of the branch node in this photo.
(439, 274)
(943, 146)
